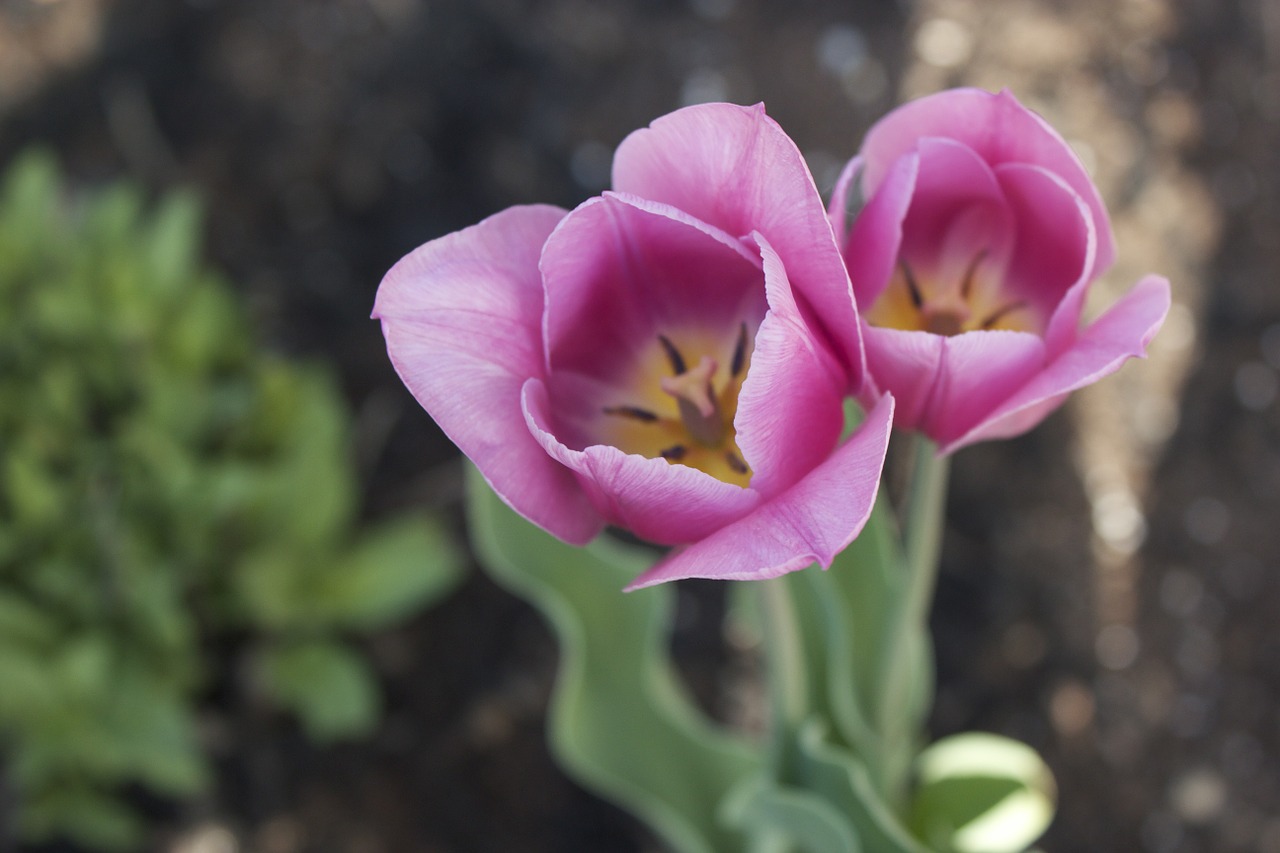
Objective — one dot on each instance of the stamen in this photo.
(673, 355)
(1001, 313)
(735, 462)
(966, 285)
(674, 453)
(633, 412)
(913, 287)
(739, 352)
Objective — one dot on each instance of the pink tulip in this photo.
(670, 357)
(971, 260)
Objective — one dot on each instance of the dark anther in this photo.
(735, 462)
(674, 453)
(1001, 313)
(739, 352)
(633, 412)
(673, 355)
(913, 288)
(966, 285)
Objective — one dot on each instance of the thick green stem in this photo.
(784, 650)
(905, 662)
(926, 515)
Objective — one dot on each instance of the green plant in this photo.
(163, 482)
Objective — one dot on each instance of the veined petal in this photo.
(944, 385)
(905, 363)
(462, 317)
(654, 499)
(736, 169)
(1000, 130)
(844, 195)
(810, 522)
(1123, 332)
(976, 373)
(619, 270)
(957, 209)
(1055, 249)
(790, 409)
(871, 246)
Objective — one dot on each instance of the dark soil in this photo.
(331, 137)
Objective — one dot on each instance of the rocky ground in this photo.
(1106, 592)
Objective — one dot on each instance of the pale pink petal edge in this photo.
(473, 392)
(1123, 332)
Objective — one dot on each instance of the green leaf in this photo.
(393, 571)
(32, 491)
(22, 621)
(28, 203)
(315, 489)
(28, 692)
(619, 721)
(790, 817)
(844, 617)
(326, 684)
(982, 793)
(842, 779)
(173, 242)
(97, 820)
(84, 666)
(150, 726)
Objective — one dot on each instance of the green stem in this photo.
(784, 656)
(907, 639)
(926, 516)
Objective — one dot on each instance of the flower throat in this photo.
(701, 433)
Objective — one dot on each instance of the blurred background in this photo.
(236, 609)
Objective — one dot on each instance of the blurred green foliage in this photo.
(164, 484)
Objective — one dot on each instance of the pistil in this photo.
(699, 434)
(695, 395)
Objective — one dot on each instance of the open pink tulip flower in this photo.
(670, 357)
(971, 257)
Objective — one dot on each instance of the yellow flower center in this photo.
(685, 414)
(969, 304)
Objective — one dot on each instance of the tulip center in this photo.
(966, 301)
(684, 414)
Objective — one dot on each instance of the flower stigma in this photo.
(690, 411)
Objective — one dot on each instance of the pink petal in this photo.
(619, 270)
(812, 521)
(736, 169)
(1000, 130)
(1118, 335)
(1055, 249)
(790, 409)
(978, 371)
(871, 247)
(654, 499)
(957, 210)
(846, 200)
(945, 385)
(462, 319)
(905, 363)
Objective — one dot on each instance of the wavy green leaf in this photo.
(620, 722)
